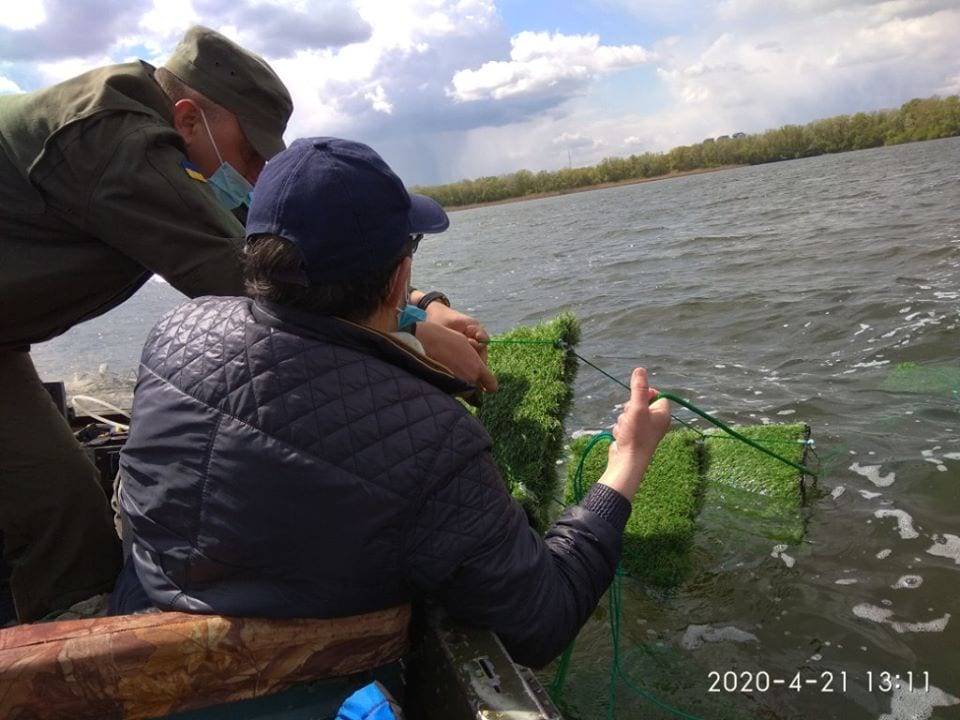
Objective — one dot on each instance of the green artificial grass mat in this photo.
(525, 416)
(926, 379)
(688, 469)
(757, 495)
(659, 533)
(736, 464)
(525, 419)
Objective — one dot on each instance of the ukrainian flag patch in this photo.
(192, 171)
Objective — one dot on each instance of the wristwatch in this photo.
(430, 297)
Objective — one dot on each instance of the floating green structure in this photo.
(659, 533)
(525, 416)
(738, 465)
(910, 377)
(689, 467)
(535, 370)
(758, 495)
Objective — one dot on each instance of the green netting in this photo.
(525, 416)
(925, 379)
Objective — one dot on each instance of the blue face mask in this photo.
(409, 315)
(229, 187)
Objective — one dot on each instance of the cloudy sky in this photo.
(452, 89)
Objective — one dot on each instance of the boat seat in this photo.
(155, 664)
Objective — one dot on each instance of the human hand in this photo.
(467, 326)
(458, 352)
(637, 432)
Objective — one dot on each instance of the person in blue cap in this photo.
(294, 454)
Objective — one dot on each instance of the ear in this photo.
(399, 279)
(187, 121)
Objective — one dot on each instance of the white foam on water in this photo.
(872, 612)
(846, 581)
(871, 364)
(872, 473)
(863, 328)
(952, 456)
(884, 554)
(904, 522)
(837, 491)
(787, 412)
(909, 582)
(869, 494)
(696, 635)
(918, 703)
(882, 616)
(929, 457)
(779, 552)
(948, 547)
(937, 625)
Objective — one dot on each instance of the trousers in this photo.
(59, 539)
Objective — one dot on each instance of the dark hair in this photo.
(273, 271)
(176, 89)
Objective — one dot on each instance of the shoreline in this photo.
(588, 188)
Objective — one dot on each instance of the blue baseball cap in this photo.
(342, 206)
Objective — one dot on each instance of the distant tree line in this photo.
(918, 119)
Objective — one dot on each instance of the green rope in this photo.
(727, 429)
(680, 401)
(693, 408)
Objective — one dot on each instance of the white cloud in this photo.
(829, 58)
(23, 14)
(445, 90)
(8, 86)
(570, 141)
(167, 20)
(544, 62)
(54, 72)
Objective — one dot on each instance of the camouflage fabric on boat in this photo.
(154, 664)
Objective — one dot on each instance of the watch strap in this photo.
(430, 297)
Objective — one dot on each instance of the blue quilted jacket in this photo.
(285, 465)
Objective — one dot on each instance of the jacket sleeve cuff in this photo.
(608, 504)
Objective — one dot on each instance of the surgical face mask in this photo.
(408, 315)
(229, 187)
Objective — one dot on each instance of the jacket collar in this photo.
(364, 339)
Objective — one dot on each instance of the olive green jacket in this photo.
(94, 198)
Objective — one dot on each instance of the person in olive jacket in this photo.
(292, 454)
(105, 179)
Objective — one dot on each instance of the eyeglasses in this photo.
(415, 242)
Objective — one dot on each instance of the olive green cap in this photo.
(237, 80)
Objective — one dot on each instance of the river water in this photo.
(825, 291)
